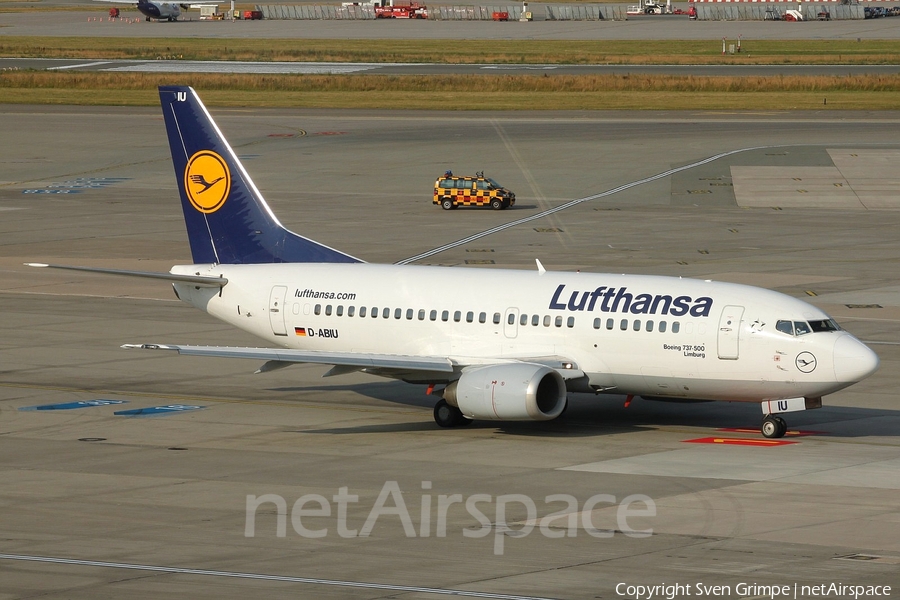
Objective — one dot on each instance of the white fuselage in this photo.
(629, 334)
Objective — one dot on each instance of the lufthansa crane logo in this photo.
(207, 181)
(806, 362)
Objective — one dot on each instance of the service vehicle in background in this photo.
(451, 191)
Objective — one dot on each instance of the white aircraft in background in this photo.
(163, 11)
(502, 344)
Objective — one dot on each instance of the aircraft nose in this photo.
(853, 360)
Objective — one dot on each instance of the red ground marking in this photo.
(739, 442)
(795, 433)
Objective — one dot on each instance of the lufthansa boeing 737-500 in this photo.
(497, 344)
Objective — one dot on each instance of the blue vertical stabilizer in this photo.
(227, 219)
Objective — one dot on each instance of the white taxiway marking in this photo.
(238, 575)
(78, 66)
(570, 204)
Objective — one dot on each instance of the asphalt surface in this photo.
(193, 66)
(144, 506)
(96, 504)
(94, 23)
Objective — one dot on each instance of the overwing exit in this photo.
(494, 345)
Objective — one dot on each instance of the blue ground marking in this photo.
(158, 410)
(71, 405)
(74, 186)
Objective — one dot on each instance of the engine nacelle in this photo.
(509, 392)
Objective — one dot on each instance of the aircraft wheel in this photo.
(446, 415)
(773, 427)
(782, 426)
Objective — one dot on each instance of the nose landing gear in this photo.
(773, 427)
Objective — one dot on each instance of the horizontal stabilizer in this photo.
(197, 280)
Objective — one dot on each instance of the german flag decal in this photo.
(301, 331)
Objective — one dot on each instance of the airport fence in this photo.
(327, 12)
(572, 12)
(583, 12)
(473, 13)
(774, 12)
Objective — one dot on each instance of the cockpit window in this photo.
(785, 327)
(801, 328)
(824, 325)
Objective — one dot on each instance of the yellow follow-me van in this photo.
(451, 191)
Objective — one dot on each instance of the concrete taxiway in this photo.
(95, 504)
(94, 23)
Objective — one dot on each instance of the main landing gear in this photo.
(773, 427)
(449, 416)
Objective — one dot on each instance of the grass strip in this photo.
(462, 92)
(780, 52)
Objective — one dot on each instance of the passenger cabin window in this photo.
(570, 322)
(362, 311)
(558, 321)
(624, 325)
(340, 310)
(457, 316)
(318, 309)
(637, 325)
(421, 314)
(327, 310)
(535, 320)
(546, 320)
(512, 319)
(610, 323)
(445, 315)
(496, 318)
(409, 314)
(433, 315)
(662, 327)
(676, 327)
(523, 319)
(386, 314)
(649, 326)
(351, 310)
(482, 317)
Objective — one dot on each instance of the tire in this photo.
(496, 204)
(447, 203)
(446, 415)
(771, 428)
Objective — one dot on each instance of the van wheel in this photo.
(447, 203)
(496, 204)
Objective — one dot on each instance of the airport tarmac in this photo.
(96, 504)
(93, 22)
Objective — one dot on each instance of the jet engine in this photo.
(509, 392)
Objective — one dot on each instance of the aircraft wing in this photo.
(387, 365)
(277, 358)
